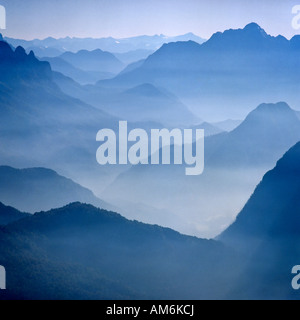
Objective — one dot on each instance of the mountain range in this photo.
(143, 103)
(224, 76)
(86, 67)
(56, 46)
(81, 76)
(97, 61)
(43, 127)
(234, 164)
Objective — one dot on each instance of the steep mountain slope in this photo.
(39, 189)
(111, 256)
(273, 210)
(224, 76)
(9, 215)
(267, 232)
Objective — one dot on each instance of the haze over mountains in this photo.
(56, 46)
(50, 112)
(39, 189)
(87, 66)
(56, 108)
(234, 164)
(226, 75)
(268, 230)
(87, 253)
(273, 210)
(110, 256)
(9, 215)
(41, 125)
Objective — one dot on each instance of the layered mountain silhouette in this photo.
(80, 252)
(143, 103)
(9, 215)
(80, 76)
(234, 164)
(41, 125)
(133, 56)
(40, 189)
(227, 125)
(226, 75)
(97, 61)
(274, 128)
(148, 103)
(209, 129)
(104, 256)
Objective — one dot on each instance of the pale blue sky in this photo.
(124, 18)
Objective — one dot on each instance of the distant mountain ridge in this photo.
(78, 75)
(109, 257)
(108, 44)
(41, 125)
(39, 189)
(96, 60)
(246, 64)
(9, 215)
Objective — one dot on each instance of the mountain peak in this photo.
(251, 37)
(253, 27)
(20, 52)
(270, 115)
(272, 107)
(5, 50)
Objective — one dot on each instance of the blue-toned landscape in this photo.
(73, 229)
